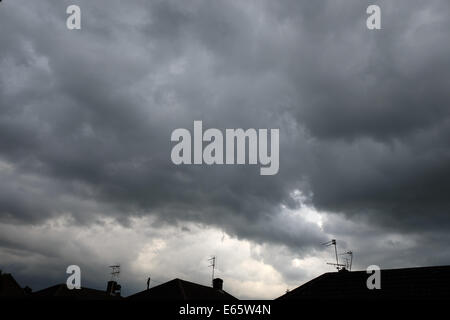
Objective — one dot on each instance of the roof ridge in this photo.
(407, 268)
(183, 293)
(197, 284)
(307, 284)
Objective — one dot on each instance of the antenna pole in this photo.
(335, 251)
(351, 259)
(213, 265)
(113, 286)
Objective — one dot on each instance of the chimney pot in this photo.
(113, 288)
(218, 284)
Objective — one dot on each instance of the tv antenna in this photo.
(213, 265)
(348, 259)
(114, 287)
(115, 272)
(338, 265)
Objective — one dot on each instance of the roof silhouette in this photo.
(9, 286)
(178, 289)
(407, 283)
(60, 291)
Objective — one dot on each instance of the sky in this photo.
(86, 118)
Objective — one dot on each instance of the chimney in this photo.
(27, 290)
(218, 284)
(113, 288)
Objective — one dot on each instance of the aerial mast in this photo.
(114, 287)
(338, 265)
(115, 272)
(213, 265)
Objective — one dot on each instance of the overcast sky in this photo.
(86, 118)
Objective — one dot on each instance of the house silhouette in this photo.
(61, 292)
(9, 287)
(424, 283)
(407, 283)
(178, 289)
(175, 289)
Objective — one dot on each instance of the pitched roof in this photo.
(9, 286)
(423, 283)
(178, 289)
(60, 291)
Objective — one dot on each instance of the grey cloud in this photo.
(363, 116)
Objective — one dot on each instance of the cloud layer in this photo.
(364, 118)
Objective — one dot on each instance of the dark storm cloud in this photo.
(377, 108)
(95, 111)
(363, 115)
